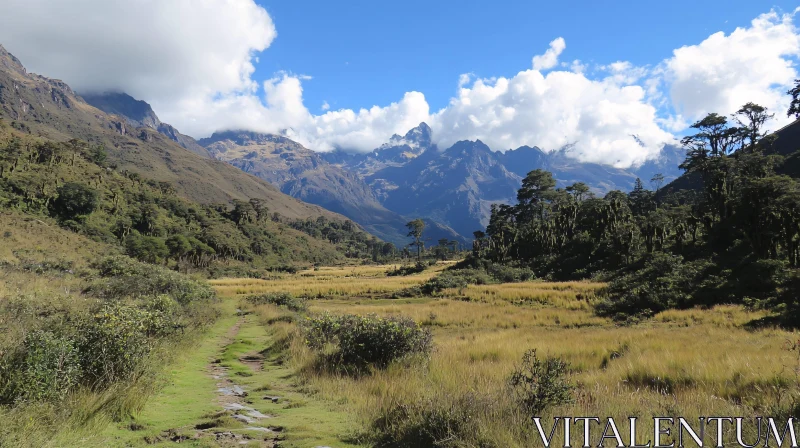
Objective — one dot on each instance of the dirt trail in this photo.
(230, 390)
(233, 403)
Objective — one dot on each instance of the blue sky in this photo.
(646, 70)
(365, 53)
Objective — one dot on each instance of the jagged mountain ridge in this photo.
(138, 114)
(307, 175)
(457, 186)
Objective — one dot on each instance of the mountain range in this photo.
(408, 177)
(405, 178)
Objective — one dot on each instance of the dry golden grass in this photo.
(328, 282)
(689, 362)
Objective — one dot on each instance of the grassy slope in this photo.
(48, 108)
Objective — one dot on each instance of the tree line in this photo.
(732, 236)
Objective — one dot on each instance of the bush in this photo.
(502, 273)
(150, 249)
(407, 270)
(45, 367)
(538, 385)
(437, 421)
(663, 282)
(366, 340)
(125, 277)
(114, 341)
(283, 299)
(455, 279)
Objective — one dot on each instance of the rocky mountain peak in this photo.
(136, 112)
(421, 135)
(9, 62)
(247, 138)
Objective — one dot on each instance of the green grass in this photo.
(190, 396)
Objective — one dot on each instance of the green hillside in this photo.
(49, 109)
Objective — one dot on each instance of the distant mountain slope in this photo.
(455, 187)
(139, 114)
(306, 175)
(49, 108)
(601, 178)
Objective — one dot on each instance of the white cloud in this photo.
(552, 111)
(325, 106)
(364, 130)
(724, 72)
(550, 57)
(199, 76)
(173, 53)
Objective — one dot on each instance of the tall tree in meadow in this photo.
(415, 229)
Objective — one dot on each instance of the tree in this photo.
(242, 212)
(441, 249)
(751, 118)
(477, 244)
(150, 249)
(640, 198)
(415, 229)
(261, 209)
(794, 107)
(536, 188)
(657, 181)
(74, 200)
(579, 189)
(178, 246)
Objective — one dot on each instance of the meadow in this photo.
(687, 363)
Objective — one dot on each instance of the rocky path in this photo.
(230, 392)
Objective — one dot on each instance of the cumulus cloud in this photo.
(173, 53)
(597, 119)
(364, 130)
(550, 57)
(199, 76)
(724, 72)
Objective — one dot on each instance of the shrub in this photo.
(125, 277)
(502, 273)
(150, 249)
(436, 421)
(45, 367)
(510, 274)
(366, 340)
(283, 299)
(407, 270)
(663, 282)
(539, 385)
(114, 341)
(455, 279)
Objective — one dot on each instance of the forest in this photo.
(731, 237)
